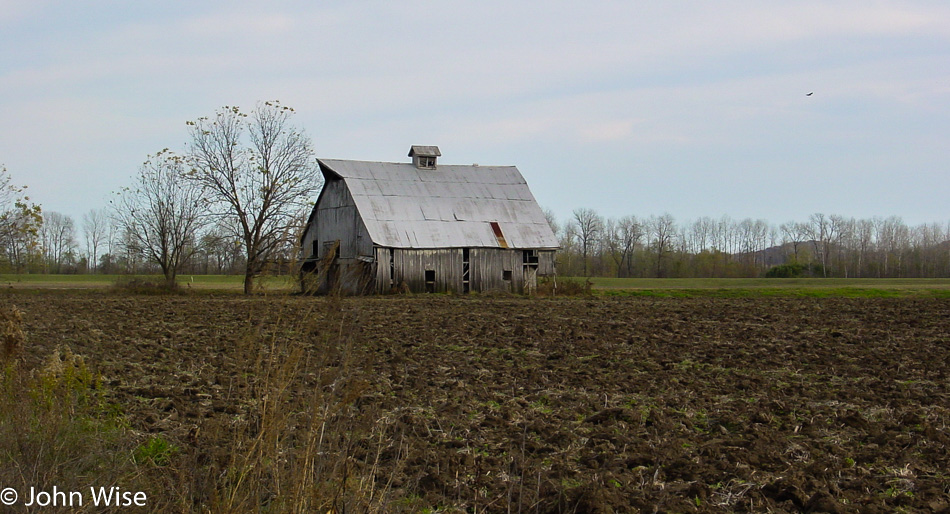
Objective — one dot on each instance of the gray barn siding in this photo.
(338, 219)
(351, 277)
(486, 271)
(546, 266)
(411, 265)
(489, 265)
(383, 280)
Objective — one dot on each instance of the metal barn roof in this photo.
(449, 206)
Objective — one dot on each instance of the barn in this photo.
(422, 226)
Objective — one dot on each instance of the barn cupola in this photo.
(424, 157)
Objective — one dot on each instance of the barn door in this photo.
(530, 262)
(330, 264)
(531, 279)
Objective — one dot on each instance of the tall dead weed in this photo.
(297, 437)
(302, 443)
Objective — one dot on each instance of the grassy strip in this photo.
(93, 281)
(826, 292)
(669, 287)
(768, 283)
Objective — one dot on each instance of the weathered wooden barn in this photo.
(425, 227)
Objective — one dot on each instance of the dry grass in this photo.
(299, 446)
(11, 333)
(302, 449)
(56, 429)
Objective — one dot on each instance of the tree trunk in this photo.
(249, 282)
(170, 279)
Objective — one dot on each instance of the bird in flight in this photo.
(809, 93)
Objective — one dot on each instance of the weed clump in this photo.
(57, 429)
(564, 287)
(156, 451)
(143, 286)
(11, 333)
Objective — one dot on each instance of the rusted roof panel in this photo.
(450, 206)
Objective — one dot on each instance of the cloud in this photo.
(664, 85)
(15, 10)
(606, 131)
(242, 24)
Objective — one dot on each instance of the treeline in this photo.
(57, 244)
(106, 241)
(234, 201)
(822, 246)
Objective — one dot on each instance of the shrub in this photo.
(788, 270)
(156, 451)
(795, 270)
(139, 285)
(564, 287)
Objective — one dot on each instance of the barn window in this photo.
(430, 280)
(506, 275)
(424, 156)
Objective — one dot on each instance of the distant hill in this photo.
(782, 254)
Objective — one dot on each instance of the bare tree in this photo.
(162, 213)
(95, 228)
(702, 233)
(753, 236)
(221, 250)
(621, 237)
(826, 233)
(794, 233)
(58, 240)
(260, 185)
(589, 226)
(892, 237)
(662, 231)
(843, 233)
(864, 243)
(551, 218)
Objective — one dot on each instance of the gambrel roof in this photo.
(448, 206)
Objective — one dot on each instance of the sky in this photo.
(625, 107)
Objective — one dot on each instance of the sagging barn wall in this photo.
(338, 252)
(336, 219)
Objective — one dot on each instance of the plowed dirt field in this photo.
(502, 404)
